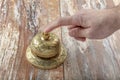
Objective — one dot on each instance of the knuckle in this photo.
(73, 33)
(76, 31)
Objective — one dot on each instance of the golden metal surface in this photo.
(45, 36)
(46, 63)
(45, 51)
(45, 48)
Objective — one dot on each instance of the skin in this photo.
(90, 23)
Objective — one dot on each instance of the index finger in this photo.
(64, 21)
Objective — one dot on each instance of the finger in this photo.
(78, 32)
(64, 21)
(80, 38)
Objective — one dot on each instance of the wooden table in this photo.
(20, 20)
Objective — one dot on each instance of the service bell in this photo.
(46, 51)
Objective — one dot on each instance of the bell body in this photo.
(45, 51)
(45, 48)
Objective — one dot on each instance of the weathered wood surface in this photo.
(20, 20)
(91, 60)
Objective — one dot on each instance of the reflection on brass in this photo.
(45, 51)
(45, 36)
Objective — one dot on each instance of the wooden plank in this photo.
(19, 22)
(91, 60)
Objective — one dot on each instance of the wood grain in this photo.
(91, 60)
(20, 20)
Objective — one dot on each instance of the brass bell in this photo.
(45, 51)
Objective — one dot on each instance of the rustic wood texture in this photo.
(91, 60)
(20, 20)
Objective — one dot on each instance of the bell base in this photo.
(46, 63)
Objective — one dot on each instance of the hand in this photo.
(92, 24)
